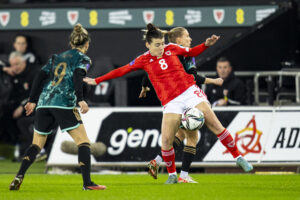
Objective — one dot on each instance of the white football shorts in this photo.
(188, 99)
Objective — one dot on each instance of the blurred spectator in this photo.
(22, 74)
(5, 85)
(22, 45)
(232, 92)
(5, 89)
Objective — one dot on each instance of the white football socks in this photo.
(158, 159)
(184, 174)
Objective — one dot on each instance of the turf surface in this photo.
(210, 187)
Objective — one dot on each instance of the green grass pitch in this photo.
(132, 187)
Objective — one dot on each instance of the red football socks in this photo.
(229, 143)
(169, 158)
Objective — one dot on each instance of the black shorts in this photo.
(46, 119)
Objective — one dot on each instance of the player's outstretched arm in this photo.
(90, 81)
(110, 75)
(215, 81)
(211, 40)
(199, 79)
(197, 50)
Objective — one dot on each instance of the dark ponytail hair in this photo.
(152, 32)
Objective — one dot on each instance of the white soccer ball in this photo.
(192, 119)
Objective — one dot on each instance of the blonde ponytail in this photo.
(79, 36)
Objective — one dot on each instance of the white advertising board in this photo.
(262, 136)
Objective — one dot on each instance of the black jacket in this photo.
(235, 87)
(22, 84)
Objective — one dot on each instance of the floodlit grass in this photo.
(131, 187)
(8, 167)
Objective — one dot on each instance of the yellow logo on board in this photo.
(169, 17)
(240, 16)
(93, 18)
(24, 18)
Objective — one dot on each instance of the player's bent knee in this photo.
(180, 134)
(84, 144)
(192, 141)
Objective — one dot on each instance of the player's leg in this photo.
(154, 164)
(29, 157)
(189, 153)
(170, 124)
(84, 157)
(43, 125)
(213, 123)
(75, 128)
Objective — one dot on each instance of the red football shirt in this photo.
(166, 73)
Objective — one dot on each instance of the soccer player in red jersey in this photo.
(177, 91)
(181, 36)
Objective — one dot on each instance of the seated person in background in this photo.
(22, 74)
(232, 92)
(22, 45)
